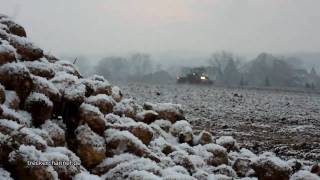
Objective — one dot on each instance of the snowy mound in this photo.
(55, 124)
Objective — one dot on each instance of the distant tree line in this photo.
(223, 68)
(264, 70)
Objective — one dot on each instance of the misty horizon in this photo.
(180, 27)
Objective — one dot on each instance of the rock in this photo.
(7, 53)
(161, 145)
(15, 76)
(55, 133)
(140, 130)
(218, 156)
(103, 102)
(163, 124)
(304, 175)
(22, 135)
(15, 28)
(40, 108)
(66, 163)
(42, 85)
(269, 167)
(122, 170)
(295, 165)
(27, 50)
(171, 112)
(242, 167)
(147, 116)
(28, 154)
(40, 68)
(143, 175)
(101, 85)
(2, 94)
(12, 100)
(181, 158)
(124, 142)
(51, 58)
(177, 173)
(128, 108)
(91, 147)
(225, 170)
(183, 131)
(316, 169)
(5, 175)
(67, 67)
(93, 117)
(200, 175)
(204, 138)
(71, 89)
(86, 175)
(116, 94)
(110, 163)
(219, 177)
(227, 141)
(21, 117)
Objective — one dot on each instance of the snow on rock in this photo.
(140, 130)
(183, 131)
(227, 141)
(218, 154)
(71, 89)
(7, 52)
(268, 166)
(29, 154)
(12, 100)
(203, 138)
(181, 158)
(40, 107)
(27, 50)
(66, 163)
(103, 102)
(304, 175)
(109, 163)
(91, 147)
(55, 132)
(142, 175)
(5, 175)
(66, 66)
(86, 176)
(15, 76)
(40, 68)
(116, 93)
(172, 112)
(93, 117)
(163, 124)
(123, 170)
(21, 117)
(42, 85)
(127, 107)
(147, 116)
(125, 142)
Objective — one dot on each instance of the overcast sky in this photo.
(121, 26)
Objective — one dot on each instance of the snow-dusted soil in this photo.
(285, 122)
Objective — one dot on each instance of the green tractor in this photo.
(194, 76)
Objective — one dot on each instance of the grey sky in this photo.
(120, 26)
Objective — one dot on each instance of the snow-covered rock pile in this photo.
(55, 124)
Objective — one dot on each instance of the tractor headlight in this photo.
(203, 77)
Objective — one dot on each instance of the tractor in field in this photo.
(194, 76)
